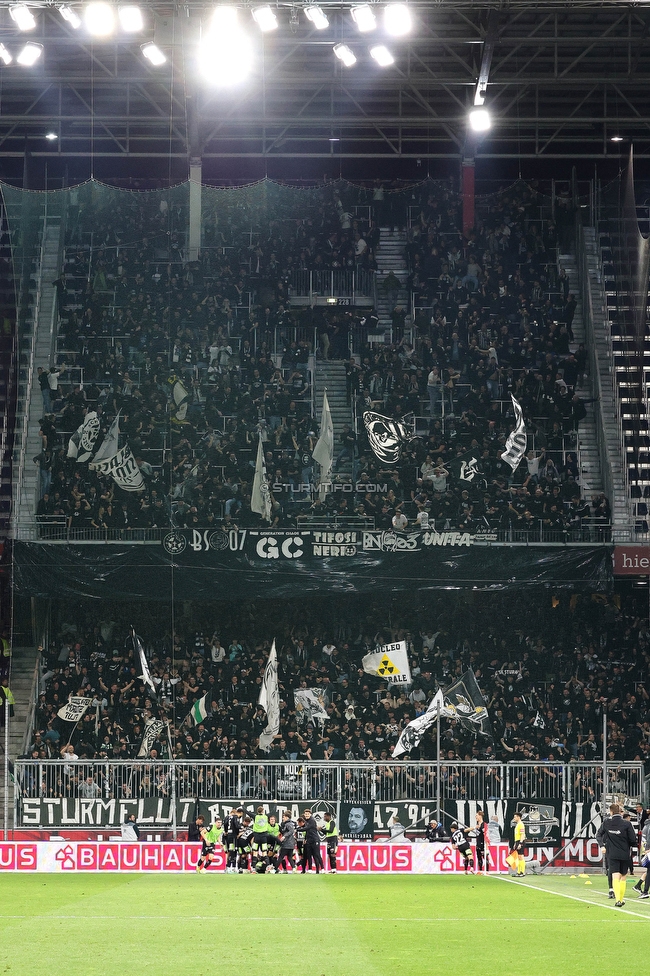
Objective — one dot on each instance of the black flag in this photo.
(465, 700)
(467, 468)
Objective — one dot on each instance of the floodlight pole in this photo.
(6, 768)
(438, 766)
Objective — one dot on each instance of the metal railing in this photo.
(334, 781)
(335, 284)
(21, 440)
(54, 529)
(588, 313)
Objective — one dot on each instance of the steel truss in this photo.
(561, 81)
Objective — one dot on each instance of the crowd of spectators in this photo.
(135, 319)
(547, 668)
(493, 317)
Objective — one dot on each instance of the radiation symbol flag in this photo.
(386, 667)
(390, 662)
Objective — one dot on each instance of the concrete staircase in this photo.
(591, 480)
(330, 376)
(613, 478)
(23, 664)
(28, 443)
(390, 256)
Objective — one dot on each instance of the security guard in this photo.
(6, 695)
(330, 832)
(5, 655)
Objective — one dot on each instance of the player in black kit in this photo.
(461, 843)
(244, 841)
(617, 838)
(482, 856)
(231, 827)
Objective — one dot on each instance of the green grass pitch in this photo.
(333, 925)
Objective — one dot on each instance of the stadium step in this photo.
(621, 512)
(390, 256)
(30, 403)
(23, 664)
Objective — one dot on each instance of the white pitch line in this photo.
(583, 901)
(273, 918)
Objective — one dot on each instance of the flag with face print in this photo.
(387, 437)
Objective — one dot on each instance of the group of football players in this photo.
(460, 840)
(262, 845)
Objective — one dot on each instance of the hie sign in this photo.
(631, 560)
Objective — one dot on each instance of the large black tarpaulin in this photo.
(246, 564)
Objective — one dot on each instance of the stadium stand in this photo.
(489, 316)
(545, 672)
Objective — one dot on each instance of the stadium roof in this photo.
(561, 81)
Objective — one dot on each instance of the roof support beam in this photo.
(486, 60)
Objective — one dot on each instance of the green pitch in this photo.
(337, 925)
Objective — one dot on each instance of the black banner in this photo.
(356, 821)
(367, 819)
(247, 564)
(547, 821)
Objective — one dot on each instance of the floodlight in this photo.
(51, 136)
(225, 58)
(71, 17)
(397, 19)
(5, 56)
(317, 17)
(153, 53)
(224, 19)
(344, 54)
(30, 54)
(99, 18)
(382, 55)
(22, 17)
(616, 139)
(130, 19)
(479, 120)
(265, 18)
(364, 18)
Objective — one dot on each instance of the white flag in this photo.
(109, 445)
(390, 662)
(152, 730)
(310, 705)
(324, 449)
(74, 709)
(270, 701)
(260, 494)
(144, 673)
(123, 469)
(516, 443)
(412, 734)
(82, 442)
(181, 398)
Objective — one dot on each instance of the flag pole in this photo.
(604, 803)
(438, 766)
(172, 767)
